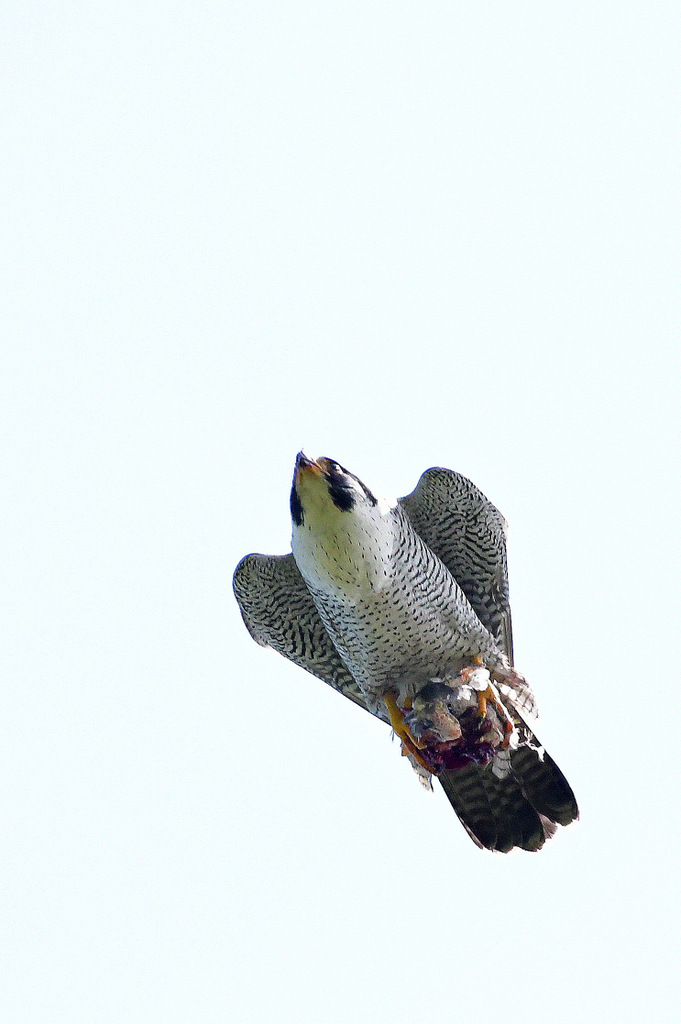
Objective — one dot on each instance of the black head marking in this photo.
(371, 498)
(341, 495)
(296, 507)
(341, 490)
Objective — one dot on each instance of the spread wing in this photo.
(468, 534)
(279, 612)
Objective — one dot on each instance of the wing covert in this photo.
(278, 611)
(468, 534)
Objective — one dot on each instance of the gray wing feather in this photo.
(468, 534)
(279, 612)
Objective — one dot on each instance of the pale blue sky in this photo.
(399, 234)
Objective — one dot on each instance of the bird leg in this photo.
(488, 696)
(410, 745)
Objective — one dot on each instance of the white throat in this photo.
(350, 552)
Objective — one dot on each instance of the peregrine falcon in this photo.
(403, 607)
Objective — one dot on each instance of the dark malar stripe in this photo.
(296, 507)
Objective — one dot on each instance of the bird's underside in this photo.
(466, 725)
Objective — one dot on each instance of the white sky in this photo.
(399, 234)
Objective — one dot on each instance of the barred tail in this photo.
(520, 810)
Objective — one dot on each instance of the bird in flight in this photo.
(403, 608)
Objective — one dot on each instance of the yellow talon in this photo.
(400, 728)
(483, 697)
(410, 745)
(488, 696)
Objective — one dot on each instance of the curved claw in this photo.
(489, 696)
(410, 745)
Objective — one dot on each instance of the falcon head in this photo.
(322, 484)
(342, 533)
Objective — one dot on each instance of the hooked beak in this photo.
(305, 465)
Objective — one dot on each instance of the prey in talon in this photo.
(445, 719)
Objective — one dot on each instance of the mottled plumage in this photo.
(378, 600)
(457, 521)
